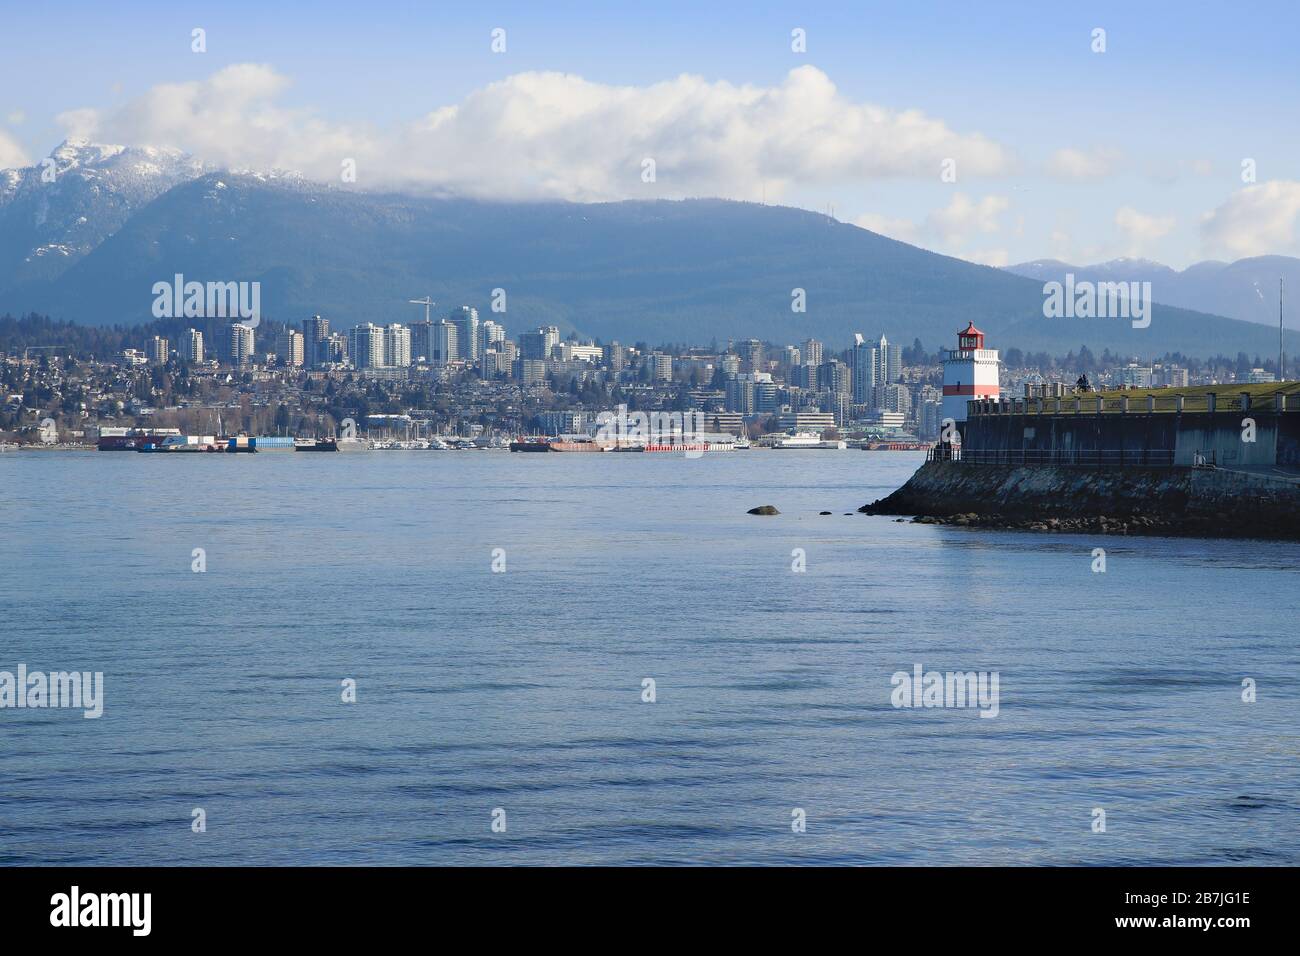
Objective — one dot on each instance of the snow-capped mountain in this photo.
(88, 240)
(57, 211)
(1246, 289)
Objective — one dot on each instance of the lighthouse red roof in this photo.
(970, 338)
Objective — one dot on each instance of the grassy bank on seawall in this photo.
(1164, 501)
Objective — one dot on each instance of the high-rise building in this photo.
(804, 376)
(615, 357)
(537, 344)
(751, 392)
(661, 367)
(498, 361)
(314, 332)
(397, 346)
(422, 341)
(446, 343)
(157, 349)
(466, 321)
(811, 352)
(333, 350)
(366, 345)
(886, 364)
(751, 353)
(241, 344)
(834, 376)
(730, 364)
(489, 334)
(191, 346)
(893, 398)
(863, 375)
(530, 371)
(289, 346)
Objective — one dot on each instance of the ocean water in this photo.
(522, 690)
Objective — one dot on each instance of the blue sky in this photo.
(1134, 151)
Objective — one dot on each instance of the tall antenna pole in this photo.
(1281, 350)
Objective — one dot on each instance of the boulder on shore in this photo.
(763, 510)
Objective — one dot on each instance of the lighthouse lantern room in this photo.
(970, 371)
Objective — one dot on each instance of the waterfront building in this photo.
(805, 420)
(970, 371)
(880, 419)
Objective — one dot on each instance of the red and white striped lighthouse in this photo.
(970, 371)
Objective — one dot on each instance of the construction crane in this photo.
(426, 302)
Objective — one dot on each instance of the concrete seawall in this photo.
(1191, 501)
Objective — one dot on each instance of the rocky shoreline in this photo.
(1091, 524)
(1165, 502)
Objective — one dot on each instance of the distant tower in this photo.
(970, 371)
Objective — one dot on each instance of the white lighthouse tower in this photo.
(970, 371)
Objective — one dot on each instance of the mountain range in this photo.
(1246, 289)
(90, 244)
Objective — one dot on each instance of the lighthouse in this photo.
(970, 371)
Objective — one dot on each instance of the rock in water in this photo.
(764, 510)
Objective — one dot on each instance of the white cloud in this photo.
(988, 257)
(949, 229)
(963, 216)
(1140, 229)
(1077, 164)
(79, 124)
(902, 229)
(16, 118)
(12, 155)
(1255, 221)
(556, 135)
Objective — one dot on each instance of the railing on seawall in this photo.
(1081, 458)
